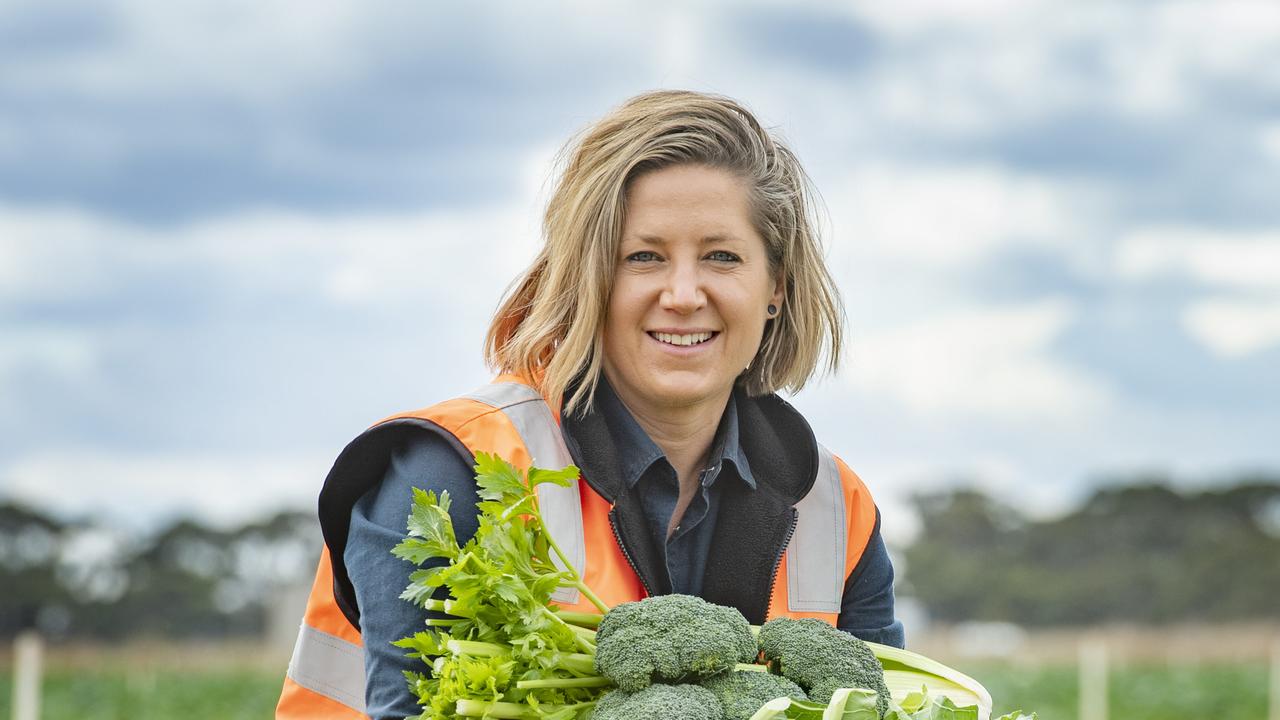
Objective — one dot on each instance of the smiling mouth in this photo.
(685, 340)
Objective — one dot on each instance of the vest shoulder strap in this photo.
(561, 507)
(816, 554)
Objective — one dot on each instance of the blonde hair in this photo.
(549, 327)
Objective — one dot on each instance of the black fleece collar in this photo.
(764, 435)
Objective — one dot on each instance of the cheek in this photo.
(619, 328)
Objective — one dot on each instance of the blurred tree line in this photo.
(1138, 552)
(185, 581)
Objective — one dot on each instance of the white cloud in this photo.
(69, 352)
(1234, 327)
(119, 487)
(914, 16)
(1243, 261)
(127, 297)
(976, 66)
(1269, 139)
(948, 216)
(68, 255)
(70, 355)
(158, 48)
(46, 254)
(978, 363)
(366, 259)
(1241, 315)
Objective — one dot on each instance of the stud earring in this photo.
(773, 310)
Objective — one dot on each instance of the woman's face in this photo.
(690, 293)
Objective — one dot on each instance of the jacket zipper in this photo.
(777, 561)
(617, 537)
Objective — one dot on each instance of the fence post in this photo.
(1093, 680)
(27, 650)
(1274, 713)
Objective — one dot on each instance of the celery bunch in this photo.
(504, 629)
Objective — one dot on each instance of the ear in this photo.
(779, 291)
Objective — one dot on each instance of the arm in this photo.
(866, 610)
(423, 460)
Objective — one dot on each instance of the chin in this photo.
(682, 393)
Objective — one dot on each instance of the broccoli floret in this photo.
(742, 692)
(822, 659)
(659, 702)
(671, 639)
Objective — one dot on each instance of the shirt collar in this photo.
(727, 445)
(636, 452)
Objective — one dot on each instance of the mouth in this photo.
(683, 339)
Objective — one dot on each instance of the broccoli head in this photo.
(742, 692)
(659, 702)
(822, 659)
(670, 639)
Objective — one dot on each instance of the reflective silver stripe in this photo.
(816, 556)
(561, 506)
(501, 395)
(329, 666)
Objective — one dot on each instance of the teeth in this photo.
(692, 339)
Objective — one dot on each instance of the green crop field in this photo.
(1218, 691)
(1137, 692)
(120, 694)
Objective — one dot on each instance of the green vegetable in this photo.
(671, 639)
(660, 702)
(504, 629)
(920, 705)
(845, 704)
(822, 659)
(742, 693)
(504, 650)
(906, 672)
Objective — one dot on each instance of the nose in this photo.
(683, 293)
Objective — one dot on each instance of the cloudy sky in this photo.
(232, 234)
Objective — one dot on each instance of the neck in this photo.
(683, 433)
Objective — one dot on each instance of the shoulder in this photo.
(502, 417)
(778, 439)
(779, 445)
(445, 418)
(506, 397)
(848, 477)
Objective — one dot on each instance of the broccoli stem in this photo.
(512, 711)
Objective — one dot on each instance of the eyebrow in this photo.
(706, 239)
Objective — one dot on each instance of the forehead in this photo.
(687, 199)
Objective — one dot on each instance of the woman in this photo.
(680, 285)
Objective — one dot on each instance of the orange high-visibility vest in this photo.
(833, 524)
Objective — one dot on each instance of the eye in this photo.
(643, 256)
(723, 256)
